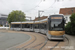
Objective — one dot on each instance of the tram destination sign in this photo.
(56, 17)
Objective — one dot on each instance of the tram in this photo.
(56, 24)
(53, 26)
(16, 26)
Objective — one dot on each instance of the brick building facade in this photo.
(67, 13)
(41, 18)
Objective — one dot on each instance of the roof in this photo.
(67, 11)
(41, 18)
(4, 15)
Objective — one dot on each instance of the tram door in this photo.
(43, 28)
(36, 27)
(31, 27)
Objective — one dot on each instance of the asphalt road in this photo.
(8, 40)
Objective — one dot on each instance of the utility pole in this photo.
(20, 19)
(39, 14)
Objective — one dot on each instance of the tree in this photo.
(16, 16)
(70, 27)
(72, 18)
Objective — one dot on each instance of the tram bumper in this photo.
(57, 37)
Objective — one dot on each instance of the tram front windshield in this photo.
(57, 25)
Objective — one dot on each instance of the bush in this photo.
(68, 28)
(72, 18)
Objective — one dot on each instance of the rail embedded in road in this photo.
(37, 42)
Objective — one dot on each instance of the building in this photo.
(41, 18)
(67, 12)
(3, 19)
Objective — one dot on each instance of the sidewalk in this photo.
(71, 45)
(6, 28)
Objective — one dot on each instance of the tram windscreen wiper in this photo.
(56, 25)
(58, 29)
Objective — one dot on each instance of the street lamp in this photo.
(39, 14)
(20, 18)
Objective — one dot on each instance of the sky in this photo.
(31, 7)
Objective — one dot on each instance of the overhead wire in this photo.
(38, 5)
(50, 6)
(33, 7)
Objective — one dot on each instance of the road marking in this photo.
(20, 44)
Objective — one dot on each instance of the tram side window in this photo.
(45, 26)
(42, 26)
(23, 25)
(27, 26)
(17, 25)
(31, 26)
(36, 26)
(12, 25)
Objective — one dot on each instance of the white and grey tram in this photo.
(53, 26)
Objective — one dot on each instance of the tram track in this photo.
(54, 46)
(41, 44)
(67, 39)
(29, 43)
(59, 42)
(44, 43)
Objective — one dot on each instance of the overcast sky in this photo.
(31, 7)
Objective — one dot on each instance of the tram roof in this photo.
(15, 22)
(28, 22)
(56, 14)
(22, 22)
(44, 20)
(31, 22)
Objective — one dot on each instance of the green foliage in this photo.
(68, 28)
(72, 18)
(16, 16)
